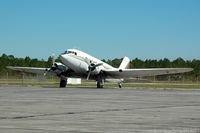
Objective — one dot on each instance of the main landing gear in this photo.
(100, 84)
(63, 82)
(100, 81)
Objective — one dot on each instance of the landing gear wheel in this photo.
(100, 80)
(63, 83)
(99, 84)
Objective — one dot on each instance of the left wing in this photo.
(30, 69)
(132, 73)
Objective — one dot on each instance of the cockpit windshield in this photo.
(70, 52)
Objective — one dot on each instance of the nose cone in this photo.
(63, 57)
(66, 59)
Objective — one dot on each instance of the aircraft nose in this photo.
(66, 59)
(63, 57)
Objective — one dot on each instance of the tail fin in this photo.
(125, 63)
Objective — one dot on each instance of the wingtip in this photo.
(191, 69)
(188, 69)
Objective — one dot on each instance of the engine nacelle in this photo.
(97, 70)
(58, 68)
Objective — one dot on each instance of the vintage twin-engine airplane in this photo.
(76, 63)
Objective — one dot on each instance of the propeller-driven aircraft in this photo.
(78, 64)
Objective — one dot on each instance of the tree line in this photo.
(10, 60)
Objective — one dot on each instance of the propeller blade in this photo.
(98, 65)
(91, 68)
(88, 74)
(53, 59)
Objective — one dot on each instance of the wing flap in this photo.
(132, 73)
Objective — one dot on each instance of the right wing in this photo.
(132, 73)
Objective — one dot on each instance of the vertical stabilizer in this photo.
(125, 63)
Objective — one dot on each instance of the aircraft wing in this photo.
(131, 73)
(30, 69)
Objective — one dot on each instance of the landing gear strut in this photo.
(63, 82)
(100, 84)
(100, 81)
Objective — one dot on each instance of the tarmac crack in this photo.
(68, 113)
(40, 129)
(83, 112)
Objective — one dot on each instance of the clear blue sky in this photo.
(107, 29)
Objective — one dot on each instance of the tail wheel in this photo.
(120, 85)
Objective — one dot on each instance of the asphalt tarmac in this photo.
(91, 110)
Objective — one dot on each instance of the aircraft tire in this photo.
(99, 85)
(120, 85)
(63, 83)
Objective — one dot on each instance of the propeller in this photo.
(53, 66)
(53, 60)
(91, 68)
